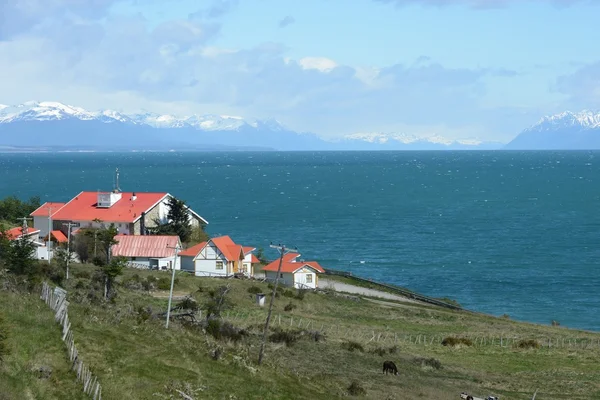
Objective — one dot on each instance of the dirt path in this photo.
(344, 287)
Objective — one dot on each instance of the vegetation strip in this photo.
(57, 300)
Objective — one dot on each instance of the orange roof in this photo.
(43, 210)
(60, 237)
(83, 207)
(15, 233)
(194, 250)
(290, 265)
(145, 246)
(230, 250)
(247, 249)
(254, 260)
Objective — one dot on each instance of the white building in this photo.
(298, 274)
(219, 256)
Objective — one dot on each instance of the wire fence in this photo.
(57, 300)
(389, 337)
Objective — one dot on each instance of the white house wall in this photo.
(287, 279)
(41, 223)
(300, 280)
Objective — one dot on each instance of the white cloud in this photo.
(175, 68)
(319, 63)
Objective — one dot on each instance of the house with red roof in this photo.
(31, 234)
(296, 273)
(132, 213)
(153, 252)
(219, 256)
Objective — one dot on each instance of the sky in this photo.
(461, 69)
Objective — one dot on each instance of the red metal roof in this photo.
(194, 250)
(145, 246)
(83, 207)
(42, 211)
(254, 260)
(15, 233)
(247, 249)
(289, 265)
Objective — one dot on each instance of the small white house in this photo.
(155, 252)
(41, 251)
(219, 256)
(298, 274)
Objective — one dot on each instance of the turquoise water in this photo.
(500, 232)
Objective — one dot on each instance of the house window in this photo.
(219, 265)
(308, 278)
(133, 258)
(281, 275)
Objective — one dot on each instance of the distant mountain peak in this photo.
(584, 119)
(385, 138)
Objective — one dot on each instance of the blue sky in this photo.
(456, 68)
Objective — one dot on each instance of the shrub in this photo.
(351, 346)
(287, 337)
(4, 350)
(80, 284)
(317, 336)
(164, 283)
(528, 344)
(254, 290)
(355, 389)
(289, 307)
(393, 349)
(454, 341)
(133, 282)
(300, 294)
(188, 303)
(143, 313)
(428, 362)
(288, 293)
(224, 330)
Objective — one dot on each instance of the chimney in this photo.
(143, 223)
(133, 196)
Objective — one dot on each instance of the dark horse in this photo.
(389, 366)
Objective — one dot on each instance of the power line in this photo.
(177, 249)
(283, 251)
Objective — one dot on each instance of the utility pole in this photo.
(49, 244)
(282, 249)
(24, 225)
(177, 249)
(69, 225)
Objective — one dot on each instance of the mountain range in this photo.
(56, 125)
(52, 125)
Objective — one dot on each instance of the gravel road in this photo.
(344, 287)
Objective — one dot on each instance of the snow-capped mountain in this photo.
(398, 141)
(564, 131)
(56, 124)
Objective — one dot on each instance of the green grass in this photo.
(140, 359)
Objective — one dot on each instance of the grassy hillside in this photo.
(135, 357)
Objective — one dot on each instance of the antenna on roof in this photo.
(117, 188)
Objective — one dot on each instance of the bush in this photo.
(528, 344)
(381, 351)
(289, 307)
(454, 341)
(317, 336)
(288, 293)
(254, 290)
(300, 294)
(82, 274)
(287, 337)
(164, 283)
(80, 284)
(355, 389)
(428, 362)
(143, 313)
(224, 330)
(4, 350)
(188, 304)
(351, 346)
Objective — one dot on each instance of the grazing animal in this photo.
(389, 366)
(465, 396)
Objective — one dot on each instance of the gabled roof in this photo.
(83, 207)
(59, 236)
(145, 246)
(194, 250)
(43, 210)
(290, 265)
(230, 250)
(254, 260)
(15, 233)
